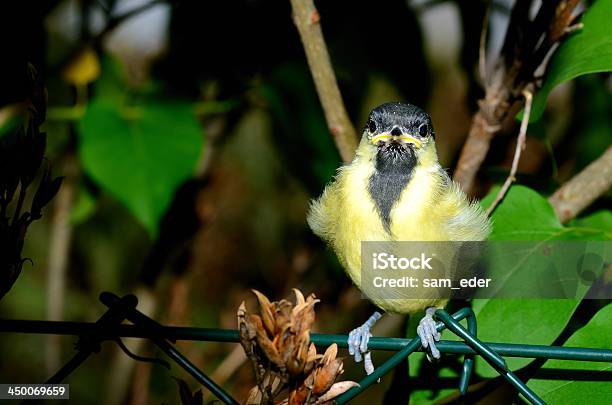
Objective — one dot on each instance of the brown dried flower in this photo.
(287, 367)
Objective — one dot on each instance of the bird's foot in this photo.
(429, 334)
(358, 343)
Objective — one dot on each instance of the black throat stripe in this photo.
(392, 174)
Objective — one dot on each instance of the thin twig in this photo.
(514, 71)
(306, 19)
(520, 146)
(584, 188)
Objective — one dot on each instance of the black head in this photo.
(398, 131)
(397, 119)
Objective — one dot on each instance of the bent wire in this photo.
(109, 327)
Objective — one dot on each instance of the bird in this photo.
(394, 189)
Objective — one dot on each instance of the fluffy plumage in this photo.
(394, 190)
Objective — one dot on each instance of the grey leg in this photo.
(358, 342)
(428, 333)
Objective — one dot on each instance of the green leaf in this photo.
(525, 215)
(141, 155)
(586, 51)
(596, 334)
(598, 220)
(537, 321)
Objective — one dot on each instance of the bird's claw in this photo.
(358, 343)
(429, 334)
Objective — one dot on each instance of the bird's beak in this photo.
(387, 137)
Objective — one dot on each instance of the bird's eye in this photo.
(371, 126)
(423, 130)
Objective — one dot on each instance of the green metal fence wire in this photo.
(109, 327)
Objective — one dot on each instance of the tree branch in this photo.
(526, 47)
(584, 188)
(306, 18)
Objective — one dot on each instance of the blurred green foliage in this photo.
(601, 220)
(592, 127)
(143, 159)
(84, 206)
(138, 145)
(598, 333)
(525, 215)
(139, 152)
(587, 51)
(297, 112)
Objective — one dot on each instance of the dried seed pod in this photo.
(326, 376)
(263, 341)
(254, 397)
(312, 297)
(335, 390)
(277, 341)
(301, 394)
(255, 325)
(294, 366)
(266, 310)
(298, 396)
(330, 354)
(282, 316)
(285, 341)
(270, 351)
(241, 311)
(312, 353)
(247, 330)
(241, 315)
(299, 297)
(311, 359)
(303, 316)
(299, 355)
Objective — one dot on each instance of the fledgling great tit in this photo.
(394, 190)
